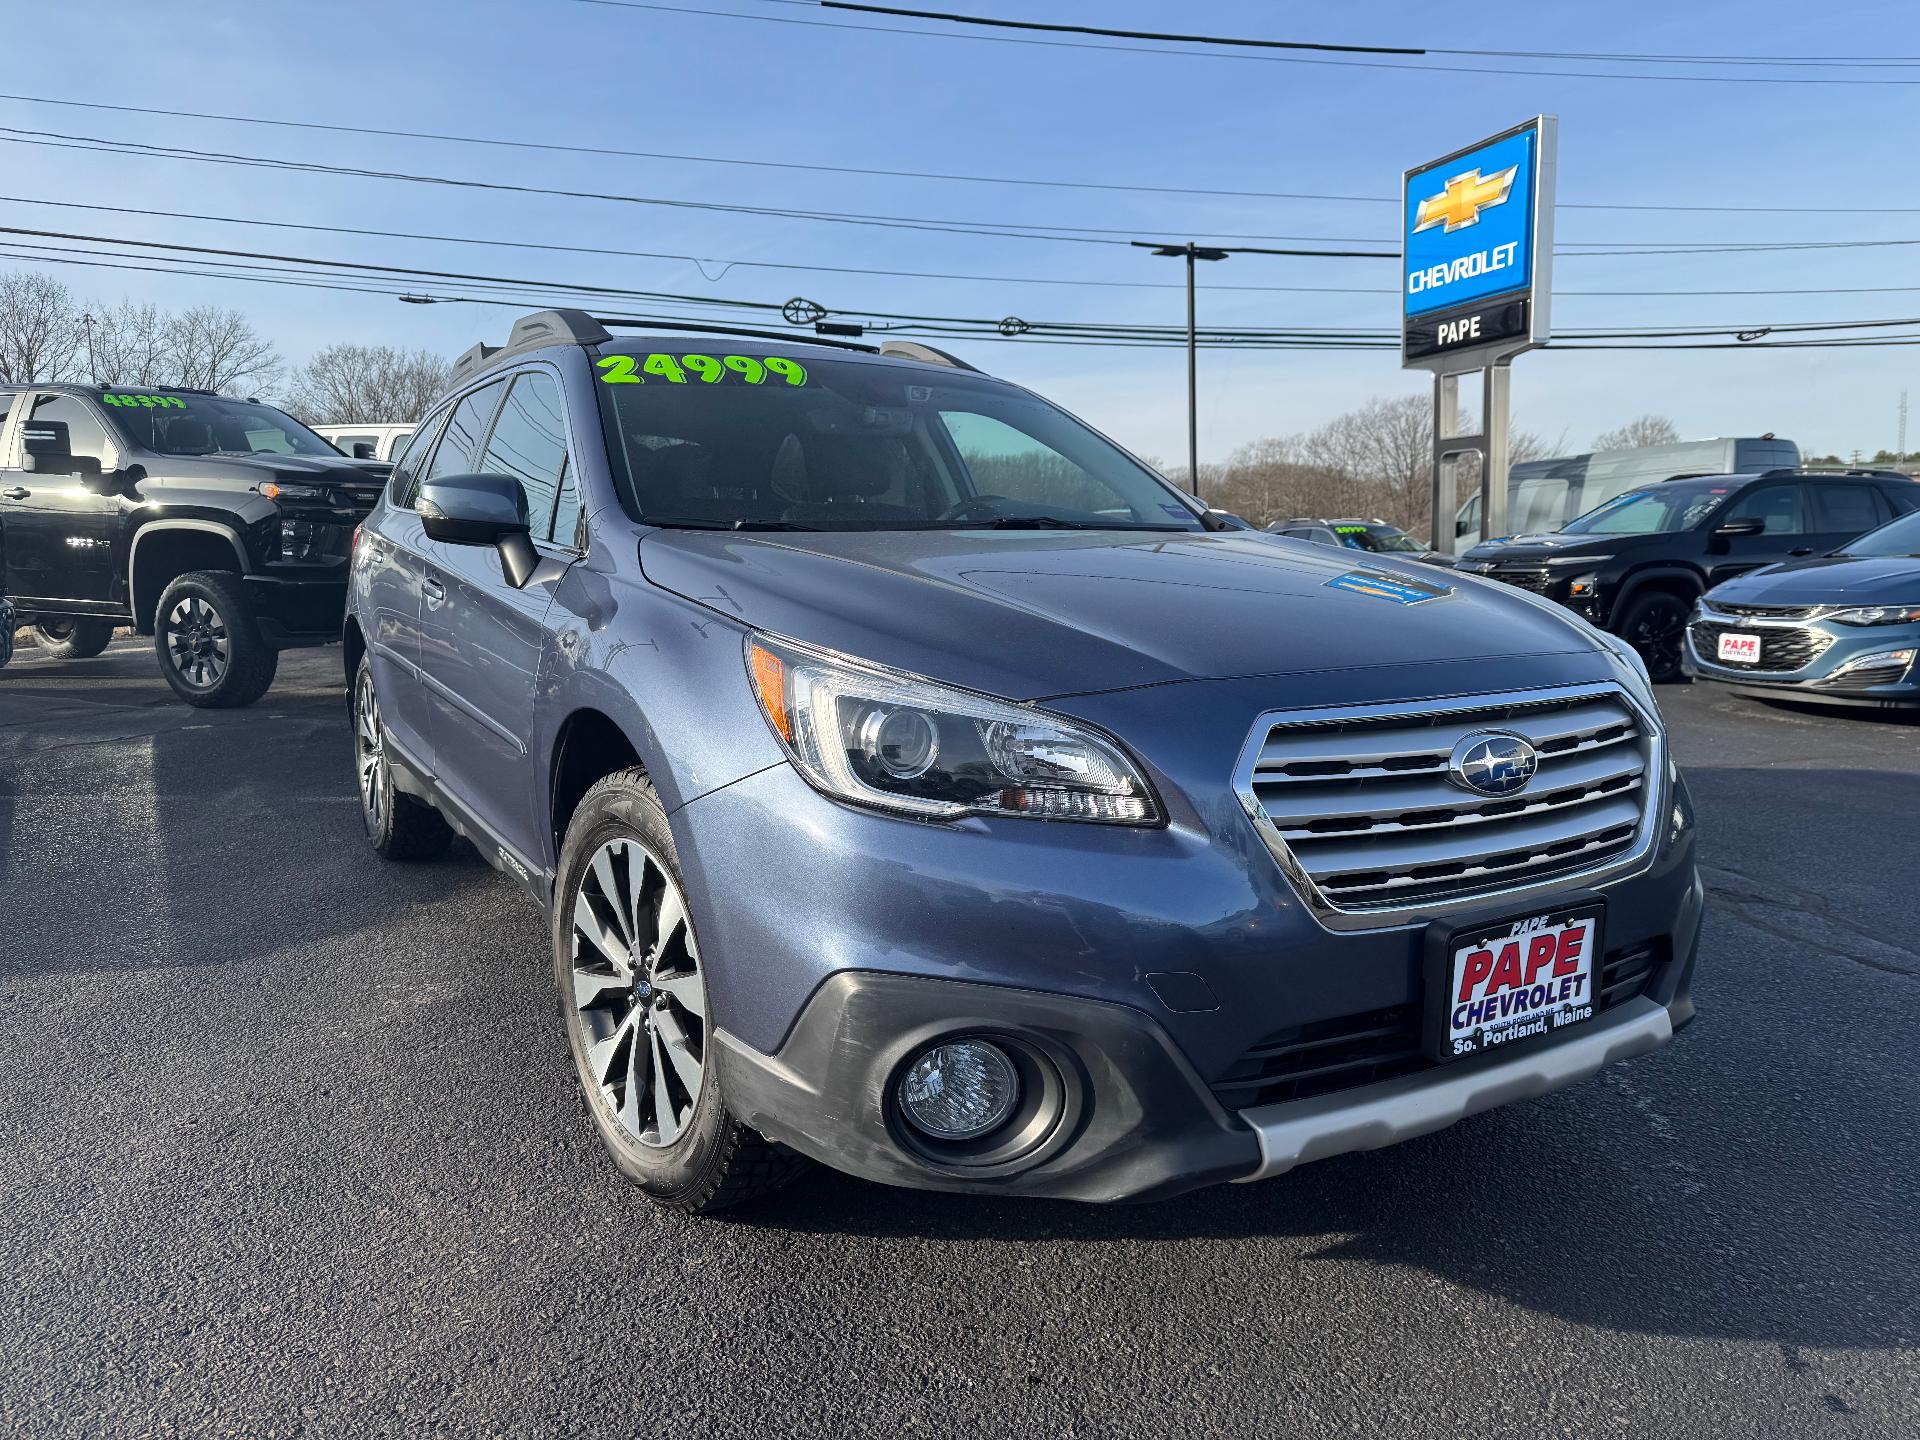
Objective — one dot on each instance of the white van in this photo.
(1543, 495)
(366, 442)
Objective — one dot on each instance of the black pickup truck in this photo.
(221, 527)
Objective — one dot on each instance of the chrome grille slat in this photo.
(1436, 740)
(1358, 808)
(1345, 798)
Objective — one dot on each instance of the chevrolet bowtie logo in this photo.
(1460, 204)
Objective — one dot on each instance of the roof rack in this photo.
(1862, 473)
(925, 354)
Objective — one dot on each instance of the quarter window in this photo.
(406, 470)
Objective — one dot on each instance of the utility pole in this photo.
(1190, 252)
(93, 369)
(1900, 457)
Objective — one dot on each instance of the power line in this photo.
(1260, 58)
(702, 262)
(1083, 235)
(555, 147)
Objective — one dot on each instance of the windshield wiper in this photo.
(1047, 522)
(690, 524)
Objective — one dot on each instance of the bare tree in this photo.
(218, 349)
(131, 345)
(1644, 430)
(344, 384)
(40, 330)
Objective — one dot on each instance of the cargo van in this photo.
(1543, 495)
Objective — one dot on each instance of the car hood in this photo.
(1029, 615)
(1546, 546)
(1827, 580)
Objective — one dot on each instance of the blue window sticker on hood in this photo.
(1397, 588)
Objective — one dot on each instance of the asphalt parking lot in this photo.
(289, 1144)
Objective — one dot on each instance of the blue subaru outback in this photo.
(917, 783)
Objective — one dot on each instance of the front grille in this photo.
(1370, 819)
(1349, 1051)
(1783, 648)
(362, 496)
(1535, 580)
(1765, 612)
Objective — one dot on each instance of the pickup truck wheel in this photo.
(72, 639)
(399, 827)
(633, 990)
(1654, 625)
(209, 642)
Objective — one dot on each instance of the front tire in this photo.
(1655, 624)
(208, 640)
(399, 827)
(72, 639)
(633, 991)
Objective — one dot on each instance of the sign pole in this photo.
(1497, 457)
(1193, 384)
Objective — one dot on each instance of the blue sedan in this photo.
(1841, 628)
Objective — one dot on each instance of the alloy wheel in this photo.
(1657, 637)
(370, 753)
(638, 995)
(197, 643)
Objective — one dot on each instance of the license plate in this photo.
(1741, 649)
(1512, 980)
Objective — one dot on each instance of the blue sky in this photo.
(754, 89)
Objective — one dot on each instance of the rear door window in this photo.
(1845, 509)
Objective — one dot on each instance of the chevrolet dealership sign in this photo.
(1477, 241)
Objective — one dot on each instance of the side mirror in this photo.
(363, 450)
(43, 462)
(1745, 525)
(481, 510)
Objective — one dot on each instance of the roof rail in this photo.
(704, 329)
(1864, 473)
(542, 327)
(925, 354)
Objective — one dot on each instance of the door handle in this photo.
(435, 592)
(1803, 550)
(14, 492)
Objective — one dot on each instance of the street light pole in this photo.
(1190, 252)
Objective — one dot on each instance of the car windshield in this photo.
(730, 440)
(1382, 539)
(177, 424)
(1898, 538)
(1659, 509)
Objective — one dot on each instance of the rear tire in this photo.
(1655, 624)
(399, 826)
(208, 640)
(633, 993)
(72, 639)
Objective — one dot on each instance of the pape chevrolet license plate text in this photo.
(1515, 980)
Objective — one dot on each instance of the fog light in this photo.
(959, 1090)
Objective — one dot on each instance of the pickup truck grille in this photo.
(1361, 804)
(1535, 579)
(1783, 648)
(1348, 1051)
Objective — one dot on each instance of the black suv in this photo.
(221, 527)
(1636, 564)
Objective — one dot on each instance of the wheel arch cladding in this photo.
(352, 646)
(1673, 580)
(589, 746)
(167, 549)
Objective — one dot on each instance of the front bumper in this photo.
(1842, 669)
(299, 605)
(1144, 965)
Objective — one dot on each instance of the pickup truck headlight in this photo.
(1877, 615)
(892, 741)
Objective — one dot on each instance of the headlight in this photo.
(896, 742)
(1877, 615)
(1583, 587)
(275, 491)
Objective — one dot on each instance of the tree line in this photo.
(49, 335)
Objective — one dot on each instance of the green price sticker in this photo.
(145, 402)
(699, 369)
